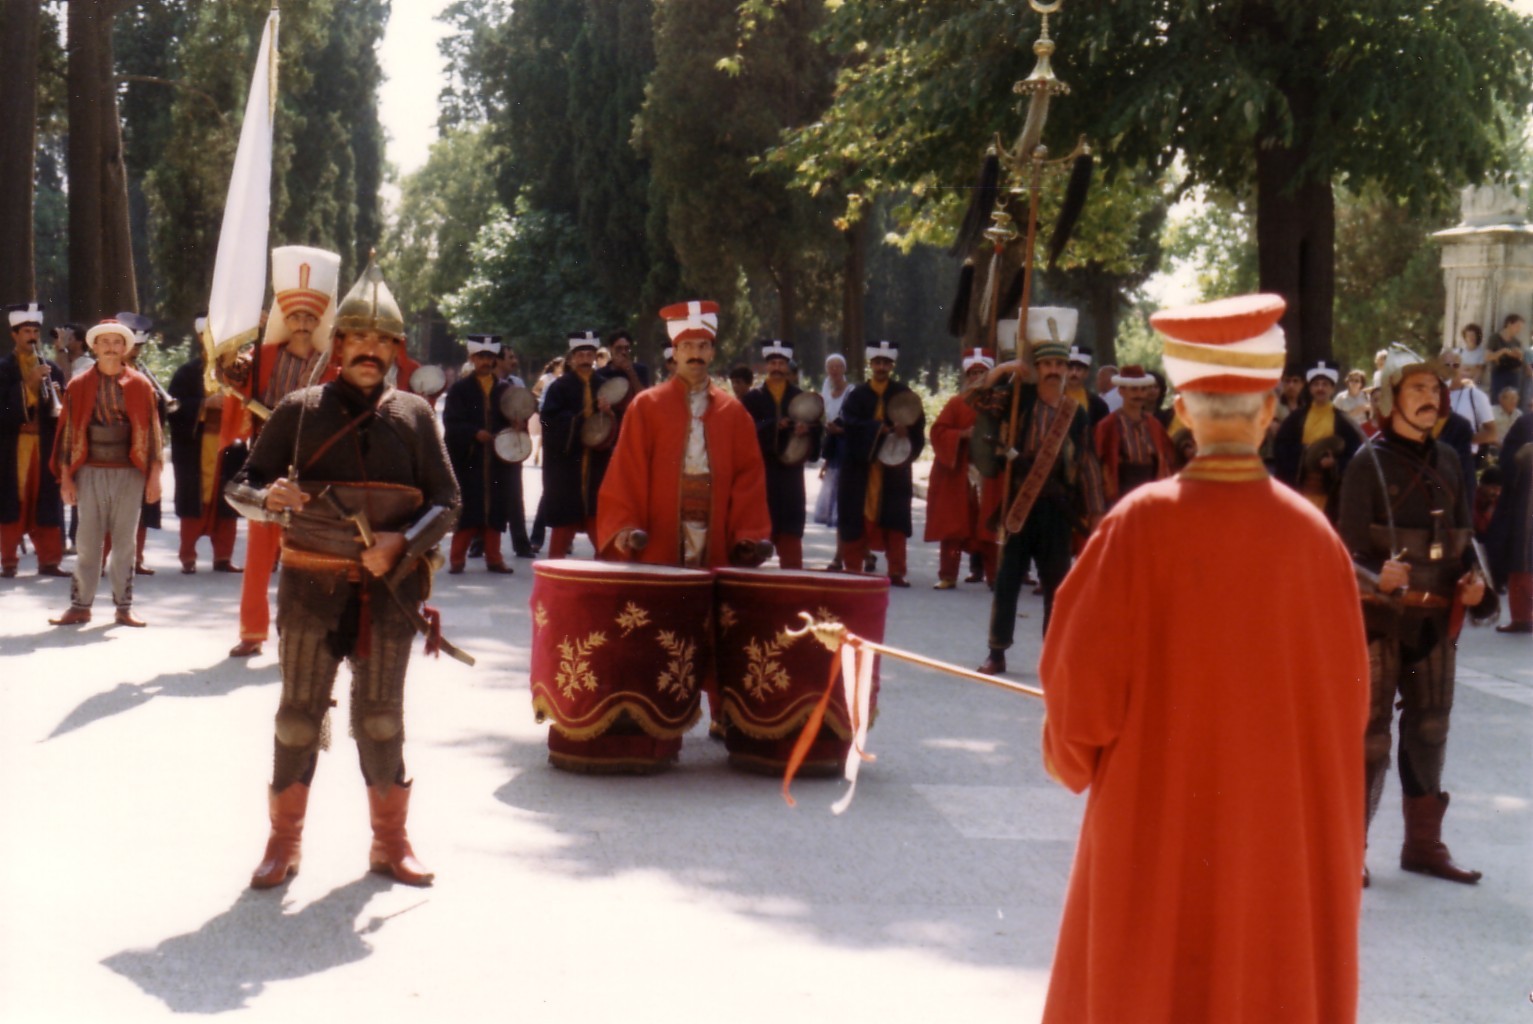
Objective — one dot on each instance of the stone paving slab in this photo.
(132, 773)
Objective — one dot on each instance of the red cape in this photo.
(642, 488)
(1215, 709)
(949, 514)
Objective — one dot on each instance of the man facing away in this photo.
(1220, 733)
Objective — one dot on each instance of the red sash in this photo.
(1043, 464)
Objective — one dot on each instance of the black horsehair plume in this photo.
(958, 317)
(1011, 298)
(981, 203)
(1070, 209)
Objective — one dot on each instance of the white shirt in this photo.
(1472, 404)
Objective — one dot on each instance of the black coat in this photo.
(572, 473)
(187, 429)
(862, 439)
(483, 479)
(13, 413)
(1509, 544)
(784, 484)
(1288, 451)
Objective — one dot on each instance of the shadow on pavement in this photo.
(127, 696)
(893, 876)
(230, 960)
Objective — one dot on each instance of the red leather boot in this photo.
(285, 847)
(391, 853)
(1424, 851)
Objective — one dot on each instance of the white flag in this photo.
(239, 273)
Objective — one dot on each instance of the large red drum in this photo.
(619, 656)
(769, 681)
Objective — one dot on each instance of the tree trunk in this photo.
(101, 279)
(20, 22)
(854, 287)
(787, 306)
(1296, 249)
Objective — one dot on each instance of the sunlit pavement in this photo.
(133, 767)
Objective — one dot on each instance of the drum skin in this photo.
(770, 682)
(620, 653)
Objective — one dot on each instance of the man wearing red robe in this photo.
(686, 485)
(954, 516)
(1221, 735)
(292, 354)
(1132, 446)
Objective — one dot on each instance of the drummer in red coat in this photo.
(686, 485)
(956, 510)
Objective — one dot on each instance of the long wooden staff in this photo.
(1035, 191)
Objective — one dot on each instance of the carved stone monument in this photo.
(1487, 260)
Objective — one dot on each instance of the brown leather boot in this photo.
(285, 847)
(391, 853)
(1424, 851)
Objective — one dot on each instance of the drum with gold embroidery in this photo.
(769, 682)
(619, 655)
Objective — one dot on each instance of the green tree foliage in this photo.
(1281, 96)
(713, 107)
(609, 63)
(327, 160)
(557, 85)
(441, 209)
(531, 283)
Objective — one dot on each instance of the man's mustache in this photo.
(359, 360)
(697, 362)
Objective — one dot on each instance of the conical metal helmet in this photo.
(370, 306)
(1400, 363)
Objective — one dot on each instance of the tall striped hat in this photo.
(1229, 346)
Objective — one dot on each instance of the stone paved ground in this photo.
(132, 774)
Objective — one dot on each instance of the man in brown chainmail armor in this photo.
(1405, 517)
(371, 496)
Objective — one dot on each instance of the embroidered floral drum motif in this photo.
(770, 682)
(619, 656)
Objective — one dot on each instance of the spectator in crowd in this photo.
(1505, 413)
(1469, 401)
(741, 380)
(1354, 400)
(1505, 356)
(1472, 353)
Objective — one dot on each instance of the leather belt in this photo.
(315, 561)
(30, 428)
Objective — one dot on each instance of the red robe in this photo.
(950, 511)
(1218, 872)
(1109, 441)
(71, 446)
(642, 488)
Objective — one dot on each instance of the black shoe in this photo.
(994, 665)
(1515, 627)
(870, 563)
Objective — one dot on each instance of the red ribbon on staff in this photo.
(858, 665)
